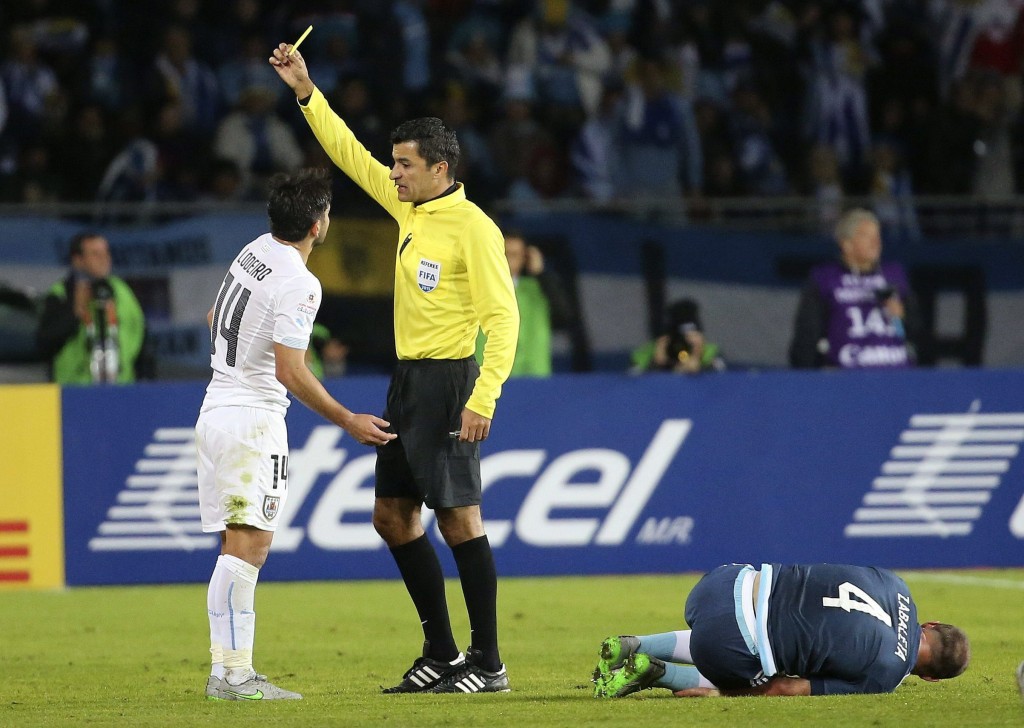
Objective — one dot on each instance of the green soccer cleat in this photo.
(616, 650)
(638, 673)
(613, 655)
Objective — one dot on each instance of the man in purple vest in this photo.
(857, 312)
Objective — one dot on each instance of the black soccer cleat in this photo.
(425, 673)
(469, 677)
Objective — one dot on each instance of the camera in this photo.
(679, 346)
(683, 319)
(884, 293)
(102, 290)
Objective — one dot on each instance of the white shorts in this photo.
(242, 455)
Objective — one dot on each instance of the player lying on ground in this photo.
(822, 629)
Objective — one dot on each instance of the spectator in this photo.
(682, 349)
(326, 356)
(37, 180)
(179, 155)
(721, 171)
(952, 143)
(223, 183)
(826, 186)
(857, 312)
(415, 74)
(996, 110)
(256, 140)
(106, 82)
(92, 328)
(836, 108)
(760, 165)
(133, 173)
(85, 152)
(29, 83)
(473, 55)
(892, 194)
(517, 134)
(658, 141)
(592, 154)
(177, 75)
(247, 69)
(566, 56)
(475, 166)
(352, 99)
(543, 305)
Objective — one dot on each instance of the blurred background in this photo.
(650, 151)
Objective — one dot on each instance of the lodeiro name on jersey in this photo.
(254, 266)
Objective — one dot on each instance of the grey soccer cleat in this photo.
(255, 688)
(213, 686)
(1020, 678)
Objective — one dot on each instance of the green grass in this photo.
(137, 656)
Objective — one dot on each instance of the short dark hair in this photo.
(950, 652)
(436, 142)
(78, 239)
(297, 201)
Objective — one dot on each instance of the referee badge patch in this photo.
(429, 275)
(271, 505)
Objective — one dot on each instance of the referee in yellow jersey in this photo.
(451, 278)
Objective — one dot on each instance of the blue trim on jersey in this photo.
(231, 614)
(295, 342)
(741, 598)
(763, 595)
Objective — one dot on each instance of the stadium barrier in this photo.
(585, 474)
(746, 279)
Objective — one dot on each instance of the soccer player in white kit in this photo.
(260, 326)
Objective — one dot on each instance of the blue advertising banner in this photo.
(594, 474)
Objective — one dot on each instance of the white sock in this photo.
(235, 616)
(681, 652)
(216, 594)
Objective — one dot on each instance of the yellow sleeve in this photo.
(494, 298)
(351, 157)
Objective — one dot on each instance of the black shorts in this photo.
(425, 402)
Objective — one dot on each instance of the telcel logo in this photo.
(623, 490)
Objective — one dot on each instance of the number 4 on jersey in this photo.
(852, 597)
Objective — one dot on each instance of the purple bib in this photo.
(859, 331)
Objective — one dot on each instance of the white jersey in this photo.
(267, 296)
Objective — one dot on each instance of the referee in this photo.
(451, 279)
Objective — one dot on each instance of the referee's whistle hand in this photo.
(475, 427)
(367, 430)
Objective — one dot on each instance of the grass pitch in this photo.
(137, 656)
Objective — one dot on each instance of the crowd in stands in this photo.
(173, 100)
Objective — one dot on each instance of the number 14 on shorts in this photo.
(280, 471)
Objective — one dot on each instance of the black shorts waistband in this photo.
(428, 363)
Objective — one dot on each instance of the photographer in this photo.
(856, 312)
(682, 348)
(92, 327)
